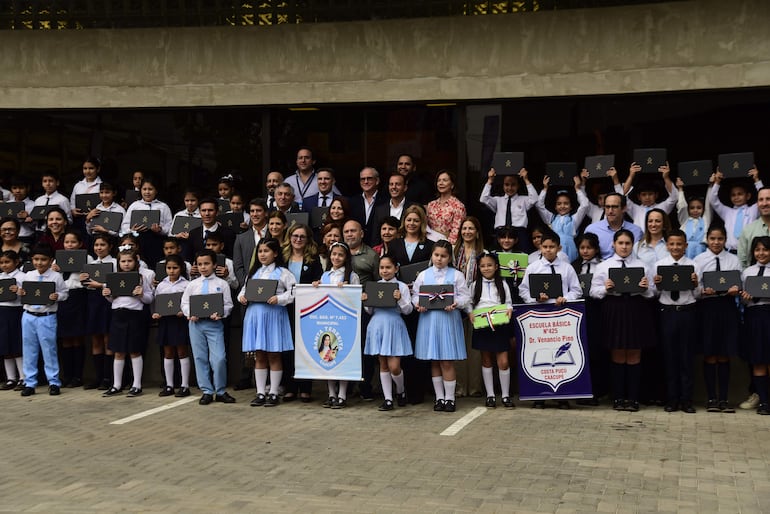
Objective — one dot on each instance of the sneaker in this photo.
(259, 401)
(53, 390)
(508, 403)
(134, 392)
(330, 402)
(182, 392)
(166, 391)
(439, 406)
(752, 402)
(763, 409)
(490, 403)
(449, 406)
(712, 406)
(401, 399)
(340, 403)
(112, 391)
(386, 405)
(725, 407)
(271, 400)
(28, 391)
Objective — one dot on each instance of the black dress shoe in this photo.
(271, 400)
(671, 407)
(75, 382)
(28, 391)
(134, 392)
(490, 403)
(306, 399)
(112, 391)
(401, 399)
(508, 403)
(633, 406)
(712, 406)
(167, 391)
(725, 407)
(617, 404)
(259, 401)
(386, 405)
(8, 385)
(206, 399)
(289, 397)
(105, 385)
(53, 390)
(439, 406)
(182, 392)
(340, 403)
(687, 408)
(763, 409)
(225, 398)
(449, 406)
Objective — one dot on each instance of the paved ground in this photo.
(64, 455)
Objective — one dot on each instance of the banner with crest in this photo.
(553, 351)
(327, 326)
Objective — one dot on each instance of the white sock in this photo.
(387, 385)
(10, 369)
(505, 381)
(137, 365)
(260, 377)
(399, 380)
(449, 389)
(20, 366)
(438, 387)
(489, 381)
(332, 385)
(343, 390)
(117, 373)
(275, 380)
(168, 371)
(184, 368)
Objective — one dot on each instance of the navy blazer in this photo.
(383, 211)
(358, 213)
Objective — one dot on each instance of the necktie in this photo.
(739, 222)
(622, 263)
(205, 286)
(508, 217)
(675, 294)
(271, 205)
(719, 267)
(761, 271)
(553, 270)
(47, 200)
(205, 236)
(323, 201)
(588, 267)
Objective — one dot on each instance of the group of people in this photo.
(303, 231)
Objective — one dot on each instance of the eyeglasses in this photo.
(298, 237)
(367, 179)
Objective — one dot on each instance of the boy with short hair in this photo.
(38, 323)
(740, 213)
(207, 335)
(107, 193)
(511, 208)
(20, 193)
(648, 195)
(51, 196)
(678, 316)
(550, 246)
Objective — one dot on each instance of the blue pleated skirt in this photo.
(440, 336)
(387, 334)
(266, 328)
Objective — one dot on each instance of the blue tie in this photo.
(205, 286)
(739, 222)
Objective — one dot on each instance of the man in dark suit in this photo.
(197, 239)
(420, 190)
(362, 205)
(325, 195)
(395, 207)
(246, 243)
(284, 199)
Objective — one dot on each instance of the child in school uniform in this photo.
(626, 321)
(719, 322)
(589, 255)
(128, 326)
(490, 290)
(172, 246)
(266, 329)
(207, 334)
(563, 221)
(236, 206)
(10, 323)
(38, 323)
(694, 215)
(387, 336)
(740, 213)
(191, 210)
(150, 237)
(440, 337)
(20, 192)
(51, 196)
(537, 236)
(72, 316)
(550, 247)
(173, 331)
(89, 184)
(679, 319)
(340, 273)
(107, 194)
(511, 208)
(757, 320)
(648, 195)
(100, 314)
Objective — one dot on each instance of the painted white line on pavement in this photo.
(463, 422)
(150, 412)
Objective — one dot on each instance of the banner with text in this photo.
(553, 351)
(327, 332)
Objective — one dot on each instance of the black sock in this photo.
(77, 362)
(66, 364)
(108, 361)
(710, 376)
(98, 367)
(633, 377)
(618, 377)
(761, 385)
(723, 370)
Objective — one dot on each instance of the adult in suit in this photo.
(396, 205)
(273, 180)
(197, 238)
(284, 199)
(325, 195)
(304, 181)
(246, 243)
(362, 205)
(420, 190)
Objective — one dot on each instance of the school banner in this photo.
(553, 351)
(327, 332)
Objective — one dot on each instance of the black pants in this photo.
(677, 340)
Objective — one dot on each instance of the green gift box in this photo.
(511, 263)
(490, 317)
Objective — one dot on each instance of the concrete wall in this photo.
(660, 47)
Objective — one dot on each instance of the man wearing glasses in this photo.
(362, 205)
(614, 211)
